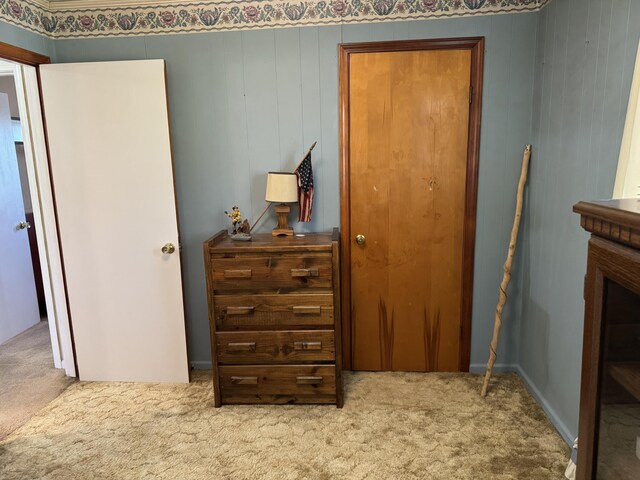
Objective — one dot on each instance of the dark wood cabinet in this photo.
(609, 431)
(274, 316)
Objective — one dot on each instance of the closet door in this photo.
(411, 204)
(112, 173)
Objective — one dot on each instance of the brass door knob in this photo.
(360, 239)
(169, 248)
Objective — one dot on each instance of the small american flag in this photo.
(304, 172)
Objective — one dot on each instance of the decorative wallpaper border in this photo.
(220, 15)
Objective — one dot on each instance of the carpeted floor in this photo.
(28, 380)
(393, 426)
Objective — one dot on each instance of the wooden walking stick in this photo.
(507, 270)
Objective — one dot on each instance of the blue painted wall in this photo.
(585, 57)
(244, 103)
(25, 39)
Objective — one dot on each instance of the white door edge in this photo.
(45, 218)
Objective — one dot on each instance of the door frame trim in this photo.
(20, 55)
(345, 50)
(27, 80)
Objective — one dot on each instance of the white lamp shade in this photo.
(282, 187)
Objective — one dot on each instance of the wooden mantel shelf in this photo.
(617, 220)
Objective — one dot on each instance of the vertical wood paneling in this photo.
(263, 129)
(312, 123)
(28, 40)
(359, 32)
(70, 52)
(520, 91)
(601, 59)
(583, 75)
(577, 79)
(117, 48)
(474, 27)
(289, 97)
(237, 128)
(440, 29)
(385, 31)
(328, 40)
(573, 84)
(539, 169)
(631, 49)
(400, 30)
(219, 177)
(589, 95)
(216, 180)
(556, 125)
(253, 101)
(615, 102)
(491, 235)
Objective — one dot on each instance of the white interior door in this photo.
(112, 176)
(18, 299)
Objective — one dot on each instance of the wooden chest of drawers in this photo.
(274, 317)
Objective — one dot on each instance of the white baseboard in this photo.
(200, 365)
(553, 417)
(498, 368)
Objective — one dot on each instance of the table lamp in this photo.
(282, 188)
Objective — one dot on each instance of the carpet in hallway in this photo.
(28, 379)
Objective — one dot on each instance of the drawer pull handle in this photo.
(304, 272)
(303, 380)
(306, 310)
(237, 273)
(307, 345)
(240, 310)
(244, 380)
(241, 346)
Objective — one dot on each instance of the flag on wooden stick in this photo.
(304, 172)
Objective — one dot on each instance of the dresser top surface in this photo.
(267, 242)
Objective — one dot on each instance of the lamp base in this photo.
(280, 232)
(282, 229)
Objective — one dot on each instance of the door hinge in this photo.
(470, 94)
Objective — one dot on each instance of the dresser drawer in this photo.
(278, 384)
(276, 347)
(283, 311)
(272, 272)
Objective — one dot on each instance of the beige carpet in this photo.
(393, 426)
(28, 380)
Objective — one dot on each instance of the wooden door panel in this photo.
(409, 121)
